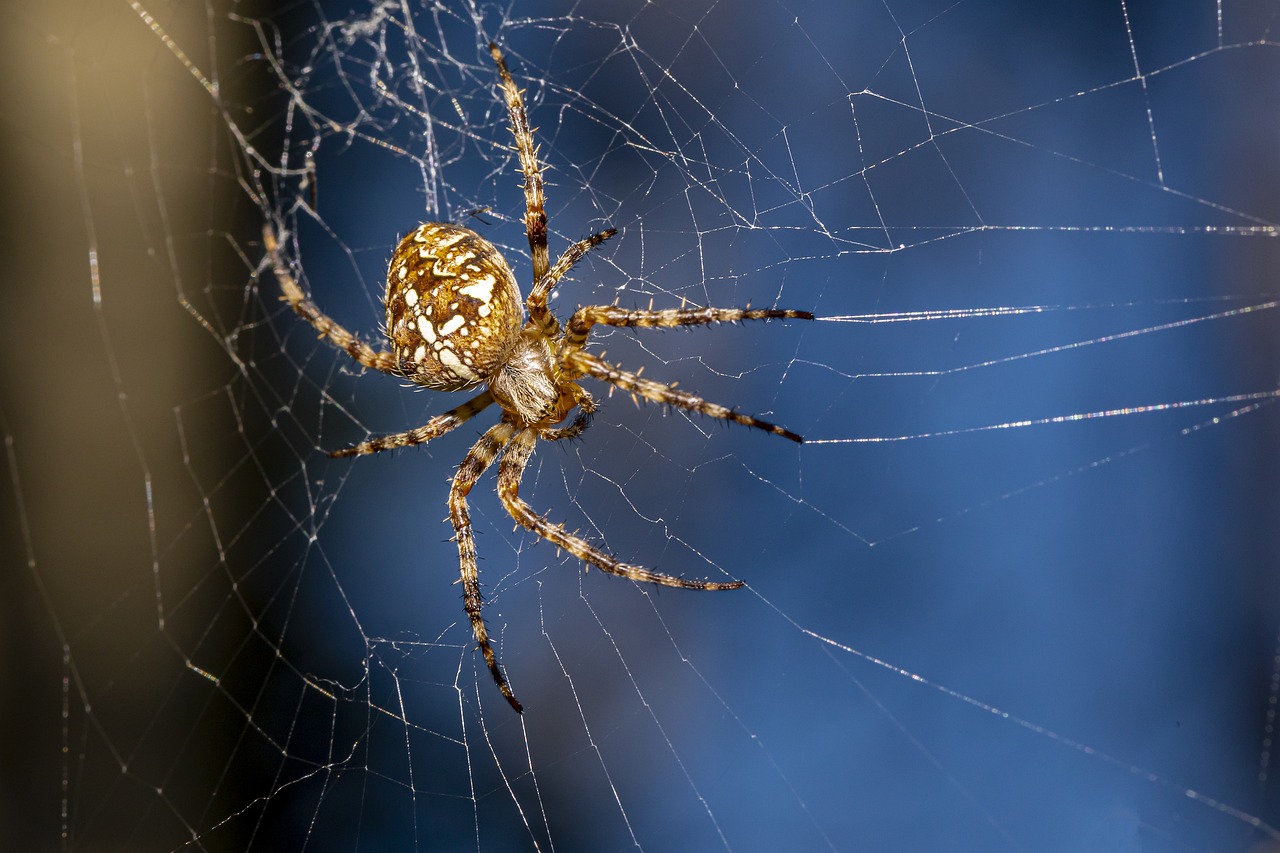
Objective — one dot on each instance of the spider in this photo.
(454, 323)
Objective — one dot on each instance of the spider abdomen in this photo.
(453, 308)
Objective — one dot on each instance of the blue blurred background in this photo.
(961, 630)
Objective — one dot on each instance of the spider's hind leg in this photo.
(433, 428)
(325, 325)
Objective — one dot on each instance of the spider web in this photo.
(1017, 591)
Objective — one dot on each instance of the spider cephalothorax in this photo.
(454, 322)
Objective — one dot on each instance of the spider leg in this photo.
(433, 428)
(611, 315)
(510, 471)
(535, 215)
(589, 365)
(541, 318)
(328, 328)
(477, 460)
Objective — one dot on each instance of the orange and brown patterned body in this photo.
(454, 311)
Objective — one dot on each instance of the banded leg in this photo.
(543, 319)
(588, 365)
(535, 214)
(611, 315)
(478, 459)
(511, 469)
(433, 428)
(328, 328)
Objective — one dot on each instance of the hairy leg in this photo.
(477, 460)
(541, 318)
(433, 428)
(511, 470)
(535, 215)
(590, 365)
(328, 328)
(611, 315)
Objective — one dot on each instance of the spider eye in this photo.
(453, 308)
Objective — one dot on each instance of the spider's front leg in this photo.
(539, 315)
(477, 461)
(535, 216)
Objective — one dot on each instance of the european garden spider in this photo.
(454, 322)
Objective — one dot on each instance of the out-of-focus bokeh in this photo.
(1017, 592)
